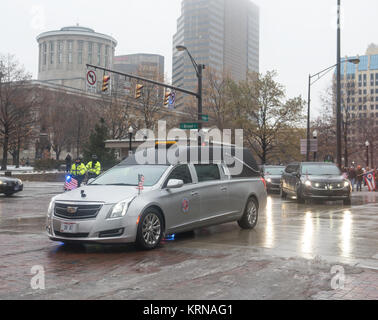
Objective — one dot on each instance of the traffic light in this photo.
(105, 83)
(138, 91)
(167, 95)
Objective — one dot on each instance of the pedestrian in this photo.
(68, 162)
(78, 171)
(352, 176)
(359, 177)
(94, 167)
(376, 179)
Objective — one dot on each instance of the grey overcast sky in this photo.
(297, 37)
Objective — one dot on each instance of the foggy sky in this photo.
(297, 37)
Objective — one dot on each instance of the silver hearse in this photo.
(143, 203)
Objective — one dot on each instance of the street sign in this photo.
(189, 126)
(205, 118)
(313, 145)
(91, 81)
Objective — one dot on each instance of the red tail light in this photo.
(264, 182)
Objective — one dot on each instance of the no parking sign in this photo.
(91, 80)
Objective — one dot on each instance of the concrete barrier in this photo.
(43, 177)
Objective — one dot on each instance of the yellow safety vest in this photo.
(96, 169)
(78, 170)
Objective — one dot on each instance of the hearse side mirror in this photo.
(175, 184)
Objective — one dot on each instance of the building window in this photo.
(52, 52)
(44, 53)
(60, 52)
(99, 54)
(80, 52)
(69, 52)
(90, 52)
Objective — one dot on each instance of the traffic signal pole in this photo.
(161, 84)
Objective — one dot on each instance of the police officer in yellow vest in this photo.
(78, 170)
(94, 167)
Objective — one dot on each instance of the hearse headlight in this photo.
(51, 208)
(308, 183)
(269, 180)
(120, 209)
(346, 184)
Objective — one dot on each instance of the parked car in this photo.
(175, 198)
(10, 186)
(272, 175)
(315, 181)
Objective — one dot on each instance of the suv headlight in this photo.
(346, 184)
(308, 183)
(120, 209)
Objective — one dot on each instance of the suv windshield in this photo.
(320, 169)
(274, 171)
(128, 175)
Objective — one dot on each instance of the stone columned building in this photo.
(64, 53)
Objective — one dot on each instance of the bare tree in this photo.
(262, 111)
(16, 101)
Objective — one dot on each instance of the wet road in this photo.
(288, 256)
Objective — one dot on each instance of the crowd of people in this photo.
(357, 177)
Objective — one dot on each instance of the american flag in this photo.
(140, 181)
(70, 183)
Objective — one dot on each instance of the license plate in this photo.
(16, 188)
(68, 227)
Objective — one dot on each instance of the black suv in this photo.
(272, 175)
(309, 180)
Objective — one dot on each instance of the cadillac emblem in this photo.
(72, 210)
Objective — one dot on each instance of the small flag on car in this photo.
(70, 183)
(140, 182)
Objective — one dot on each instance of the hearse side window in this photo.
(207, 172)
(181, 173)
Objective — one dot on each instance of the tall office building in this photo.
(222, 34)
(359, 105)
(150, 66)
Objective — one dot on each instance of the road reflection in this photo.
(308, 232)
(346, 234)
(269, 227)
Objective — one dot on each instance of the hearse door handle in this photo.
(224, 188)
(194, 193)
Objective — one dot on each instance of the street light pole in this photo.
(315, 136)
(367, 144)
(338, 94)
(131, 130)
(198, 68)
(319, 75)
(308, 119)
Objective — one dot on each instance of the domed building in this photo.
(64, 53)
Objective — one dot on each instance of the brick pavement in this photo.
(362, 286)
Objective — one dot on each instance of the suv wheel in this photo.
(150, 229)
(250, 215)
